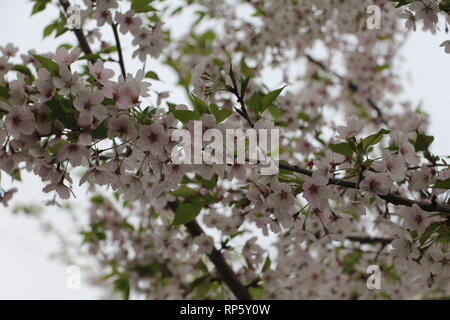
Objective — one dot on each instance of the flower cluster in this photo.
(348, 195)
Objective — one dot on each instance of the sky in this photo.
(26, 270)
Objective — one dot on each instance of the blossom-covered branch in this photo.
(391, 198)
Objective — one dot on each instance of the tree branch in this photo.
(223, 268)
(370, 240)
(119, 50)
(352, 86)
(226, 272)
(391, 198)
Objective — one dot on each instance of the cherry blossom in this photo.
(204, 243)
(64, 57)
(358, 183)
(352, 129)
(415, 218)
(315, 190)
(378, 183)
(446, 45)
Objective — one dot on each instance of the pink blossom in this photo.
(441, 262)
(44, 84)
(9, 50)
(100, 73)
(18, 121)
(378, 183)
(88, 103)
(393, 165)
(74, 153)
(446, 45)
(67, 82)
(316, 191)
(353, 128)
(281, 198)
(61, 189)
(96, 175)
(128, 22)
(64, 57)
(6, 196)
(204, 243)
(409, 153)
(123, 126)
(414, 218)
(152, 138)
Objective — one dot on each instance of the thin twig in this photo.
(119, 49)
(351, 85)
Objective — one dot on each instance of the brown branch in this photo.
(391, 198)
(119, 50)
(226, 273)
(370, 240)
(351, 85)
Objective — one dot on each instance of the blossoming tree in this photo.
(357, 184)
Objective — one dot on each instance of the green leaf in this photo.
(101, 132)
(382, 67)
(48, 30)
(351, 260)
(374, 138)
(401, 3)
(122, 284)
(186, 212)
(208, 184)
(185, 192)
(4, 92)
(194, 284)
(267, 265)
(442, 184)
(62, 111)
(152, 75)
(39, 6)
(257, 293)
(244, 85)
(246, 70)
(432, 228)
(24, 70)
(142, 6)
(275, 112)
(342, 148)
(220, 114)
(255, 103)
(185, 115)
(98, 200)
(270, 98)
(48, 64)
(199, 105)
(423, 142)
(91, 57)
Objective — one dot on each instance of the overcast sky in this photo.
(26, 272)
